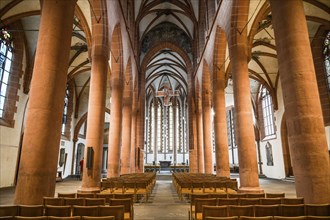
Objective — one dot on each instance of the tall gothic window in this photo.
(171, 128)
(159, 128)
(326, 53)
(6, 54)
(65, 110)
(267, 112)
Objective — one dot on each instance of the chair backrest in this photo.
(222, 218)
(275, 195)
(308, 217)
(271, 201)
(30, 210)
(85, 210)
(127, 203)
(8, 210)
(228, 201)
(7, 217)
(116, 211)
(94, 201)
(123, 196)
(289, 218)
(217, 195)
(85, 195)
(293, 201)
(59, 211)
(255, 195)
(53, 201)
(64, 218)
(106, 196)
(31, 217)
(66, 195)
(246, 210)
(317, 209)
(249, 201)
(267, 210)
(214, 211)
(98, 218)
(236, 195)
(255, 218)
(292, 210)
(74, 201)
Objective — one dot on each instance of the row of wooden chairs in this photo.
(203, 209)
(102, 199)
(58, 218)
(121, 212)
(270, 218)
(278, 196)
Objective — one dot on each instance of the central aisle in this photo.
(163, 204)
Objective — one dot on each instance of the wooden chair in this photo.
(106, 196)
(66, 195)
(7, 218)
(53, 201)
(293, 201)
(317, 209)
(192, 200)
(199, 203)
(209, 187)
(125, 196)
(142, 190)
(267, 210)
(255, 195)
(74, 201)
(249, 201)
(58, 211)
(128, 206)
(221, 187)
(271, 201)
(246, 210)
(275, 195)
(31, 217)
(236, 195)
(8, 210)
(292, 210)
(94, 201)
(231, 186)
(85, 195)
(214, 211)
(85, 210)
(309, 217)
(229, 201)
(117, 211)
(222, 218)
(64, 218)
(98, 218)
(217, 195)
(30, 210)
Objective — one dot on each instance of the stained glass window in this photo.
(267, 112)
(326, 53)
(65, 110)
(6, 55)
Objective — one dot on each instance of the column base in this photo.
(250, 190)
(89, 190)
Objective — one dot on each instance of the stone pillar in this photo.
(126, 136)
(307, 140)
(220, 128)
(192, 134)
(244, 129)
(96, 102)
(207, 134)
(40, 149)
(115, 125)
(200, 138)
(133, 139)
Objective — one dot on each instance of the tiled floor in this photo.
(164, 203)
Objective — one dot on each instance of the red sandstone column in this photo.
(200, 138)
(126, 136)
(133, 139)
(192, 134)
(307, 141)
(208, 160)
(115, 126)
(220, 128)
(38, 165)
(247, 157)
(96, 102)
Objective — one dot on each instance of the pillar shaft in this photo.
(115, 127)
(38, 164)
(307, 140)
(126, 138)
(220, 129)
(200, 144)
(192, 133)
(207, 135)
(133, 141)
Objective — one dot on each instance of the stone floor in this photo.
(163, 203)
